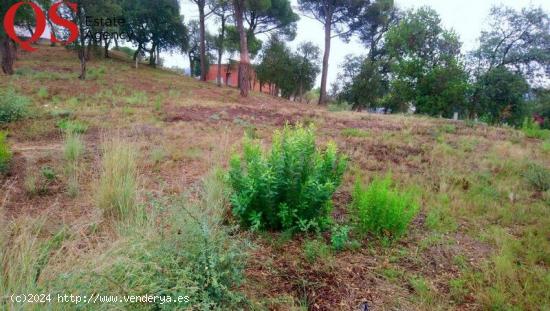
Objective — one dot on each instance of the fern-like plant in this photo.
(382, 210)
(290, 186)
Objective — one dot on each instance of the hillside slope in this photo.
(480, 241)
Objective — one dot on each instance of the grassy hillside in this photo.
(481, 239)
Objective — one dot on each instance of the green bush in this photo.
(13, 107)
(382, 210)
(5, 153)
(48, 173)
(339, 237)
(533, 130)
(538, 177)
(291, 186)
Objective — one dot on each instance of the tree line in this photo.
(412, 62)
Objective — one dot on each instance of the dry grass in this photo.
(116, 192)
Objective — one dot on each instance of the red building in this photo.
(230, 77)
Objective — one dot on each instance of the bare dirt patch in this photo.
(233, 114)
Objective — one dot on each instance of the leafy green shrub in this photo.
(533, 130)
(538, 176)
(117, 190)
(5, 153)
(48, 173)
(291, 186)
(382, 210)
(339, 237)
(13, 107)
(72, 126)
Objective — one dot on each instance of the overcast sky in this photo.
(466, 17)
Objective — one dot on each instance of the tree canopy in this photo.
(293, 73)
(426, 66)
(519, 40)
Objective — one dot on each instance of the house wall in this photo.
(230, 77)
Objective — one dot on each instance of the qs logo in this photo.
(40, 18)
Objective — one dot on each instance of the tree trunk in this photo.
(219, 75)
(89, 50)
(244, 65)
(152, 60)
(191, 66)
(8, 55)
(29, 29)
(82, 48)
(326, 56)
(220, 51)
(106, 52)
(136, 56)
(202, 30)
(82, 58)
(52, 29)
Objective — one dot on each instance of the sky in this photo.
(466, 17)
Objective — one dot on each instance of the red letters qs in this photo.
(40, 17)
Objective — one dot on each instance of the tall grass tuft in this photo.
(382, 210)
(5, 153)
(117, 189)
(23, 257)
(73, 151)
(181, 249)
(19, 254)
(538, 177)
